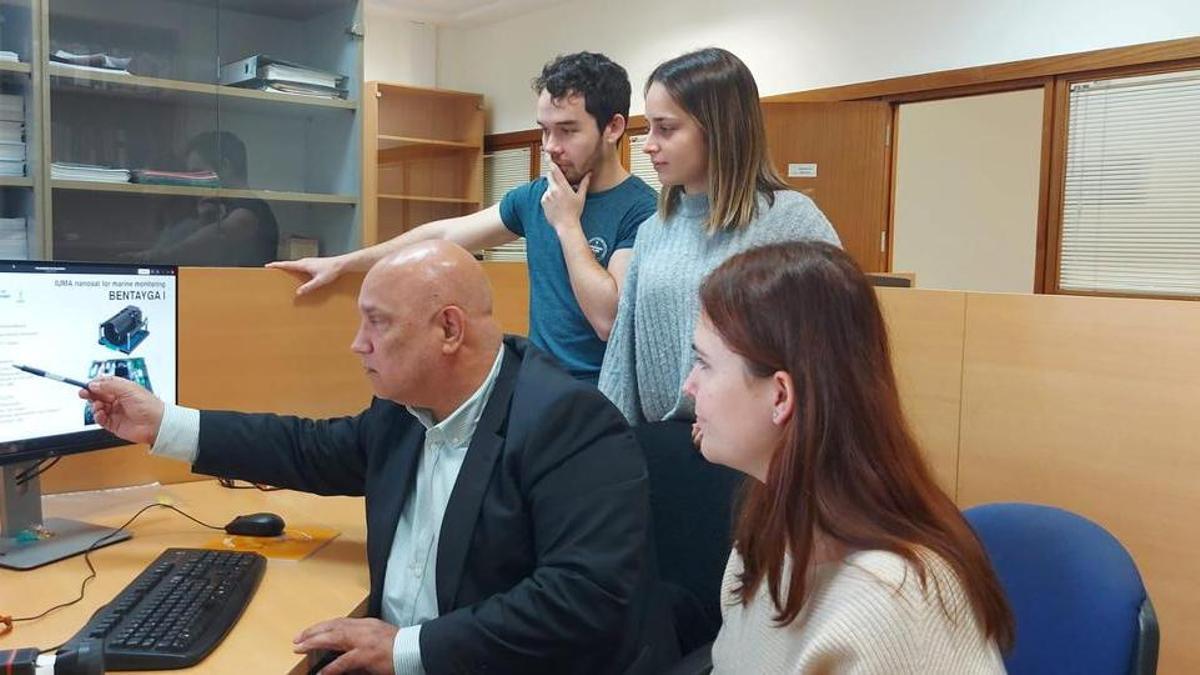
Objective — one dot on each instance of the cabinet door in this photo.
(131, 89)
(162, 154)
(840, 156)
(293, 104)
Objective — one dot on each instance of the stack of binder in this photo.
(268, 74)
(100, 63)
(88, 172)
(12, 135)
(14, 243)
(184, 178)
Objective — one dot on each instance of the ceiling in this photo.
(460, 12)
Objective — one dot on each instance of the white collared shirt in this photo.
(409, 583)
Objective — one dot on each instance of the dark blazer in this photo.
(541, 562)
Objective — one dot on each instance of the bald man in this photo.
(506, 502)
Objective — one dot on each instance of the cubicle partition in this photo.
(1083, 403)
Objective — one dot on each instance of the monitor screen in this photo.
(78, 321)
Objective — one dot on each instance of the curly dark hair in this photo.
(603, 84)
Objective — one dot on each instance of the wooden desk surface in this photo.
(292, 596)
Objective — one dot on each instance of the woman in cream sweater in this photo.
(847, 558)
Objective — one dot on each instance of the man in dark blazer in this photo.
(506, 502)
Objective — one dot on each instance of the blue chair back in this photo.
(1075, 592)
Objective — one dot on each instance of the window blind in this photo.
(504, 170)
(1131, 202)
(640, 164)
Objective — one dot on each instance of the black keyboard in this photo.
(177, 610)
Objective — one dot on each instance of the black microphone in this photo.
(85, 657)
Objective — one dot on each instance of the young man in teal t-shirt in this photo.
(579, 221)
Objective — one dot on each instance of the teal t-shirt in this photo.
(610, 222)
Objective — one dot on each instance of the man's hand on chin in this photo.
(563, 203)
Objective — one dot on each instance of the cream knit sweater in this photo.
(866, 614)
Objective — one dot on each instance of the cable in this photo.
(62, 644)
(231, 484)
(92, 569)
(36, 470)
(21, 475)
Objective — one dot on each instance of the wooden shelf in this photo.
(15, 67)
(396, 149)
(188, 191)
(417, 143)
(388, 142)
(423, 198)
(16, 181)
(238, 92)
(92, 76)
(279, 9)
(386, 88)
(89, 77)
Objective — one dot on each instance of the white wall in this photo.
(398, 49)
(792, 45)
(966, 201)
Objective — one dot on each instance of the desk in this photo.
(292, 596)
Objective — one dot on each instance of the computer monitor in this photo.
(75, 321)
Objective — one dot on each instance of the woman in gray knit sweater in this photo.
(720, 196)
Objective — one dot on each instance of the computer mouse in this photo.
(256, 525)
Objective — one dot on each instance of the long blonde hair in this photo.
(718, 91)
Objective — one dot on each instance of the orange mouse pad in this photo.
(296, 543)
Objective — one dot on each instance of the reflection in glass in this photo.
(217, 231)
(153, 161)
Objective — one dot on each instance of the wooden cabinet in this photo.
(286, 163)
(423, 157)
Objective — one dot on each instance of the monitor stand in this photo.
(27, 541)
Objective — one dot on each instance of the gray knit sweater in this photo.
(650, 349)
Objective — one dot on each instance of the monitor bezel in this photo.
(48, 447)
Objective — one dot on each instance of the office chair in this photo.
(1075, 592)
(691, 508)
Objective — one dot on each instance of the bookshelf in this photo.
(422, 157)
(20, 88)
(294, 162)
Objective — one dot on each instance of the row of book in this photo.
(12, 135)
(14, 239)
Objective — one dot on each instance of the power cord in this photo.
(36, 470)
(9, 621)
(232, 484)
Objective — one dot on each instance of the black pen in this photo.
(51, 376)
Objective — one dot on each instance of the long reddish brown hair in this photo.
(848, 466)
